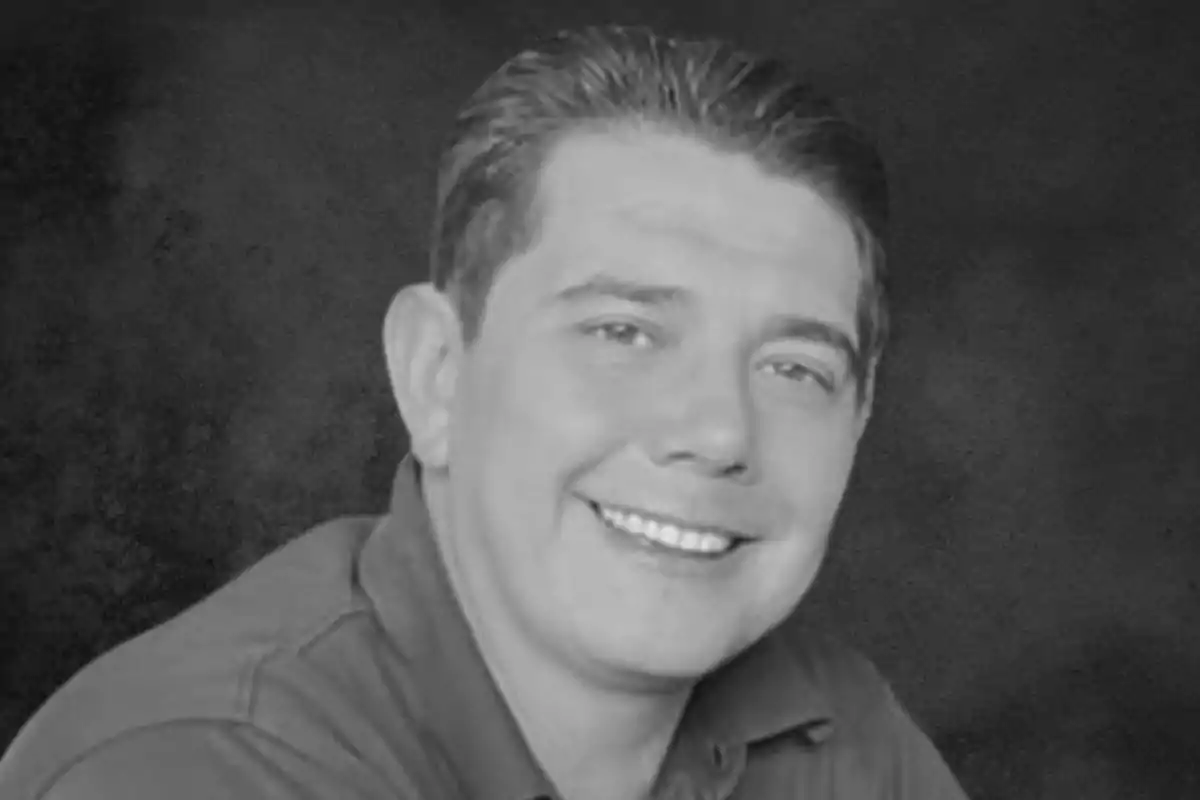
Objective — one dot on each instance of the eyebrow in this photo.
(814, 330)
(600, 285)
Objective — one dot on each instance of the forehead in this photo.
(659, 181)
(671, 209)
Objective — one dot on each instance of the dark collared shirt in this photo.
(341, 666)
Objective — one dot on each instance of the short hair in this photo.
(605, 77)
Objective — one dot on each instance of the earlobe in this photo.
(423, 345)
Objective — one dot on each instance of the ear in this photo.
(422, 340)
(866, 401)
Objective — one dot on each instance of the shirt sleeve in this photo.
(211, 761)
(918, 771)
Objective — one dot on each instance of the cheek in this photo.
(809, 462)
(534, 424)
(569, 400)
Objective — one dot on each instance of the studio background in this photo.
(205, 209)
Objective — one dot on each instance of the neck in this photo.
(595, 739)
(594, 744)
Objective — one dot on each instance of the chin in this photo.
(658, 665)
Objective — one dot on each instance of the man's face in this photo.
(653, 431)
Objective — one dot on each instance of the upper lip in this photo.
(720, 530)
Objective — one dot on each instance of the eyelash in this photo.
(822, 380)
(610, 331)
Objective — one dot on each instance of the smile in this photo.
(667, 534)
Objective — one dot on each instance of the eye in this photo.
(624, 333)
(801, 373)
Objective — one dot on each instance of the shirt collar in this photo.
(769, 689)
(774, 687)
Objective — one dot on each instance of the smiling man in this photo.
(634, 389)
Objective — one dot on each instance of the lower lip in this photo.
(657, 549)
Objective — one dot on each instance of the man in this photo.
(634, 390)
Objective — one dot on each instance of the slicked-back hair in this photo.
(616, 77)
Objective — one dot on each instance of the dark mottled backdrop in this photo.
(204, 214)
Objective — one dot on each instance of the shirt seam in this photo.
(203, 722)
(246, 694)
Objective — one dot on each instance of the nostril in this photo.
(736, 470)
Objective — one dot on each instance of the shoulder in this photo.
(191, 760)
(213, 665)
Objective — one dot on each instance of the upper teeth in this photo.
(666, 533)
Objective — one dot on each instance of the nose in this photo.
(706, 423)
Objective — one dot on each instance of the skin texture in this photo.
(674, 342)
